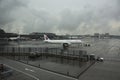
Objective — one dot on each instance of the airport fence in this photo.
(20, 50)
(42, 51)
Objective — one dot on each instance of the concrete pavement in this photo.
(36, 73)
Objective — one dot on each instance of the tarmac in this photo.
(18, 76)
(109, 49)
(109, 69)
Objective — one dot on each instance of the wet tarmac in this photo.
(18, 76)
(109, 49)
(109, 69)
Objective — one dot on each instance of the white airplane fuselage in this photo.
(63, 41)
(14, 38)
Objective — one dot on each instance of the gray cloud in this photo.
(69, 16)
(6, 7)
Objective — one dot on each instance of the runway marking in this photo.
(29, 69)
(53, 73)
(23, 72)
(42, 70)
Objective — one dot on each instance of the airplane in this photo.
(65, 43)
(15, 38)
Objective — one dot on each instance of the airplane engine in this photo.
(65, 45)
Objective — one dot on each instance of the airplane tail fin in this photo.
(46, 37)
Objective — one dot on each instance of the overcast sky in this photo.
(60, 16)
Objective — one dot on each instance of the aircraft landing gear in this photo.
(65, 46)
